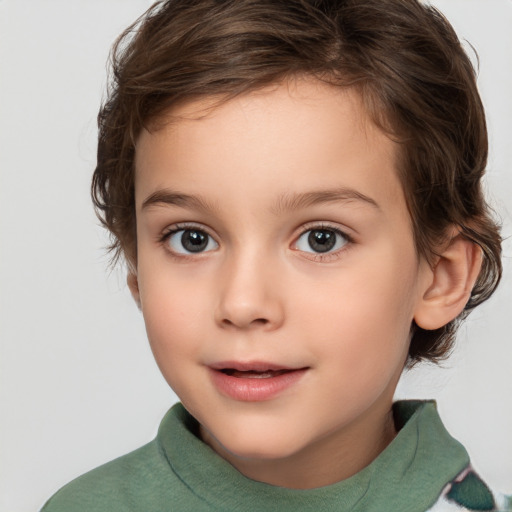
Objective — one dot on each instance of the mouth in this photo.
(253, 374)
(253, 369)
(254, 381)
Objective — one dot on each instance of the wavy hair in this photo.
(403, 57)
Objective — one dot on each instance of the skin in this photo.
(259, 292)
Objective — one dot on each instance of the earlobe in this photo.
(452, 279)
(133, 285)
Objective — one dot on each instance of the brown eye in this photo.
(190, 241)
(194, 241)
(321, 240)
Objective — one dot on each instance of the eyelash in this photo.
(327, 256)
(314, 256)
(176, 228)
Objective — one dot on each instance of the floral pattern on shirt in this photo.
(468, 492)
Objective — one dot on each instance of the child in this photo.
(296, 189)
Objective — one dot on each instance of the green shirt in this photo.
(178, 472)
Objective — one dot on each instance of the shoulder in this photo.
(145, 479)
(111, 486)
(141, 480)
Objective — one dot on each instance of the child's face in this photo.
(273, 234)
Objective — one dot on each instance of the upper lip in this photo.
(247, 366)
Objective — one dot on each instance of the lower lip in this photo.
(255, 389)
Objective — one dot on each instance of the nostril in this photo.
(256, 322)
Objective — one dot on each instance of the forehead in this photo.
(292, 137)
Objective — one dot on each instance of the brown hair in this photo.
(404, 58)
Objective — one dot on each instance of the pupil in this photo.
(322, 240)
(194, 241)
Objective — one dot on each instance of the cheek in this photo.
(174, 313)
(364, 316)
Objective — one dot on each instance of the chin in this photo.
(261, 445)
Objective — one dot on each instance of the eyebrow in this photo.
(296, 201)
(168, 197)
(286, 202)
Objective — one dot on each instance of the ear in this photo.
(133, 285)
(451, 280)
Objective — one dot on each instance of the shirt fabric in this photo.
(422, 469)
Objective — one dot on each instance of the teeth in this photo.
(253, 374)
(259, 375)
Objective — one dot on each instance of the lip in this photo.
(253, 387)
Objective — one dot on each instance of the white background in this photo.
(78, 385)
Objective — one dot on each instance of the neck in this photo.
(330, 459)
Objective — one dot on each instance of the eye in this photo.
(321, 240)
(190, 241)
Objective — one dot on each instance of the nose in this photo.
(250, 295)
